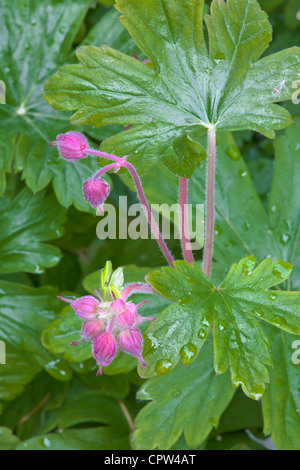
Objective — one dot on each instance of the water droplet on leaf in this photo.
(188, 352)
(284, 239)
(282, 269)
(218, 230)
(273, 296)
(248, 265)
(163, 366)
(258, 312)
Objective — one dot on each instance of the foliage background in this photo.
(50, 397)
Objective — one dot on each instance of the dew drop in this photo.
(46, 443)
(222, 325)
(257, 392)
(273, 209)
(278, 321)
(282, 269)
(202, 333)
(176, 393)
(284, 239)
(248, 265)
(273, 296)
(163, 366)
(243, 173)
(218, 230)
(258, 312)
(188, 352)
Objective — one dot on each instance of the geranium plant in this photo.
(162, 107)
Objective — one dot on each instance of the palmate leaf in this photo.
(233, 308)
(189, 399)
(186, 88)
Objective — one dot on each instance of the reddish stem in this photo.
(183, 221)
(210, 184)
(136, 288)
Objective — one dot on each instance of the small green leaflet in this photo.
(185, 88)
(235, 309)
(189, 399)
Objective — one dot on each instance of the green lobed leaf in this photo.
(24, 313)
(28, 221)
(239, 339)
(188, 399)
(185, 88)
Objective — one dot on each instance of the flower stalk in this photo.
(183, 221)
(210, 188)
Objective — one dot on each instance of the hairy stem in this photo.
(136, 288)
(183, 221)
(103, 170)
(210, 187)
(142, 197)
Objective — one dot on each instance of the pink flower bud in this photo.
(92, 328)
(105, 349)
(131, 342)
(95, 191)
(72, 146)
(86, 307)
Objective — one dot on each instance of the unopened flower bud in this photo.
(131, 342)
(86, 307)
(91, 329)
(95, 191)
(105, 349)
(72, 146)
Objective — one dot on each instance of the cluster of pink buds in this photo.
(73, 146)
(110, 326)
